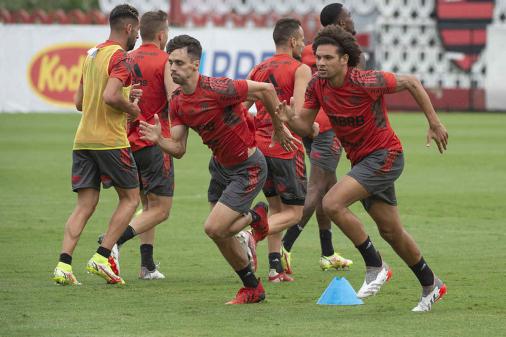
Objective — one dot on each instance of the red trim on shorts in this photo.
(300, 168)
(253, 173)
(389, 161)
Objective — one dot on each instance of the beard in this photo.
(131, 44)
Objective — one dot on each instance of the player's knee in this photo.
(330, 206)
(214, 232)
(390, 234)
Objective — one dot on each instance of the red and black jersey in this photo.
(148, 66)
(215, 112)
(357, 110)
(280, 71)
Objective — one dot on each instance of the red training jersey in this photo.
(309, 59)
(148, 66)
(357, 110)
(280, 71)
(215, 111)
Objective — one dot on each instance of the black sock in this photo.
(147, 257)
(275, 262)
(104, 252)
(127, 235)
(326, 242)
(254, 215)
(370, 254)
(247, 276)
(291, 236)
(65, 258)
(423, 273)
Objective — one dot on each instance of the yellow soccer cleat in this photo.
(335, 261)
(63, 275)
(286, 261)
(100, 266)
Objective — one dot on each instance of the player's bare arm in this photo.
(78, 98)
(266, 93)
(301, 122)
(437, 130)
(302, 77)
(113, 96)
(175, 145)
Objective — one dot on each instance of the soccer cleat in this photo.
(249, 295)
(248, 243)
(430, 295)
(63, 275)
(260, 228)
(375, 277)
(286, 261)
(335, 261)
(146, 274)
(276, 277)
(114, 257)
(100, 266)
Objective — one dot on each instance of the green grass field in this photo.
(453, 204)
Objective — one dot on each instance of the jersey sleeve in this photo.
(310, 98)
(175, 118)
(377, 83)
(233, 91)
(119, 67)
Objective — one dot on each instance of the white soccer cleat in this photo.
(430, 295)
(375, 277)
(146, 274)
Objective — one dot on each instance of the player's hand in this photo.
(439, 134)
(284, 137)
(135, 93)
(151, 132)
(316, 130)
(284, 112)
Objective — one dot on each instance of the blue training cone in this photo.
(339, 292)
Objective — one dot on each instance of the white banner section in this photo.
(495, 58)
(41, 68)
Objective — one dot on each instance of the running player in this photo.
(101, 152)
(285, 187)
(213, 108)
(353, 100)
(324, 152)
(150, 69)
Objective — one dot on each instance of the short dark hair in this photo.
(330, 14)
(191, 44)
(285, 29)
(343, 40)
(151, 23)
(121, 12)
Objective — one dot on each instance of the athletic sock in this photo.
(291, 236)
(370, 254)
(423, 273)
(127, 235)
(66, 258)
(275, 262)
(326, 242)
(254, 215)
(104, 252)
(147, 257)
(247, 276)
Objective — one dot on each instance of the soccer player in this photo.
(150, 69)
(324, 151)
(353, 100)
(285, 187)
(213, 108)
(101, 152)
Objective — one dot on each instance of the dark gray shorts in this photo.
(156, 171)
(286, 178)
(324, 150)
(237, 186)
(377, 173)
(109, 167)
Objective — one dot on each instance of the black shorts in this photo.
(156, 171)
(239, 185)
(377, 173)
(287, 178)
(109, 167)
(324, 150)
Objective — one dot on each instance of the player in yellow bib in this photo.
(101, 151)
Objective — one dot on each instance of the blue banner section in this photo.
(236, 65)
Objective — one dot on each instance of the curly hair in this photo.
(343, 40)
(192, 45)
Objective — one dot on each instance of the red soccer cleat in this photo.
(249, 295)
(260, 228)
(276, 277)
